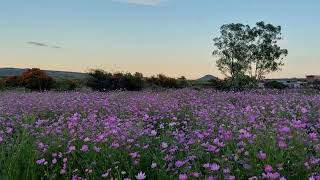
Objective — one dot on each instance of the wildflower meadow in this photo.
(173, 134)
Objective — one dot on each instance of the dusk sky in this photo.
(173, 37)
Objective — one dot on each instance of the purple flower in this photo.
(141, 175)
(179, 164)
(212, 167)
(268, 168)
(84, 148)
(262, 156)
(313, 136)
(183, 177)
(41, 161)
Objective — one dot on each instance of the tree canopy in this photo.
(252, 51)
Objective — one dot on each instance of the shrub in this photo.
(2, 84)
(12, 82)
(103, 81)
(163, 81)
(131, 82)
(217, 84)
(183, 82)
(99, 80)
(316, 84)
(36, 79)
(275, 85)
(66, 84)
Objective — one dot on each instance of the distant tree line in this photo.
(101, 80)
(37, 80)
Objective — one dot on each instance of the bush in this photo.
(163, 81)
(12, 82)
(99, 80)
(2, 84)
(316, 84)
(217, 84)
(242, 81)
(275, 85)
(238, 82)
(36, 79)
(103, 81)
(66, 84)
(183, 82)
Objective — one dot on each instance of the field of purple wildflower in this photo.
(181, 134)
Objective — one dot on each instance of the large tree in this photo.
(252, 51)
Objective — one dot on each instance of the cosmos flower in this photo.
(84, 148)
(262, 156)
(41, 161)
(183, 177)
(268, 168)
(141, 175)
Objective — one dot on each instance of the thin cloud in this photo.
(141, 2)
(43, 45)
(38, 44)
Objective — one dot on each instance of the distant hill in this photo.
(5, 72)
(207, 78)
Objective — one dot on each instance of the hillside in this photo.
(207, 78)
(4, 72)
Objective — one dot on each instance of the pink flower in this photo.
(268, 168)
(313, 136)
(41, 161)
(195, 174)
(54, 161)
(272, 176)
(164, 145)
(230, 177)
(141, 175)
(9, 130)
(212, 178)
(282, 144)
(71, 148)
(179, 164)
(285, 130)
(212, 167)
(84, 148)
(183, 177)
(153, 133)
(304, 110)
(262, 155)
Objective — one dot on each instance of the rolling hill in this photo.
(5, 72)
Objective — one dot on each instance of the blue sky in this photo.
(150, 36)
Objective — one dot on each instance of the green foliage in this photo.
(316, 84)
(183, 82)
(2, 84)
(275, 85)
(64, 84)
(104, 81)
(17, 161)
(163, 81)
(252, 51)
(238, 82)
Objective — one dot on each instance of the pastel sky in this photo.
(173, 37)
